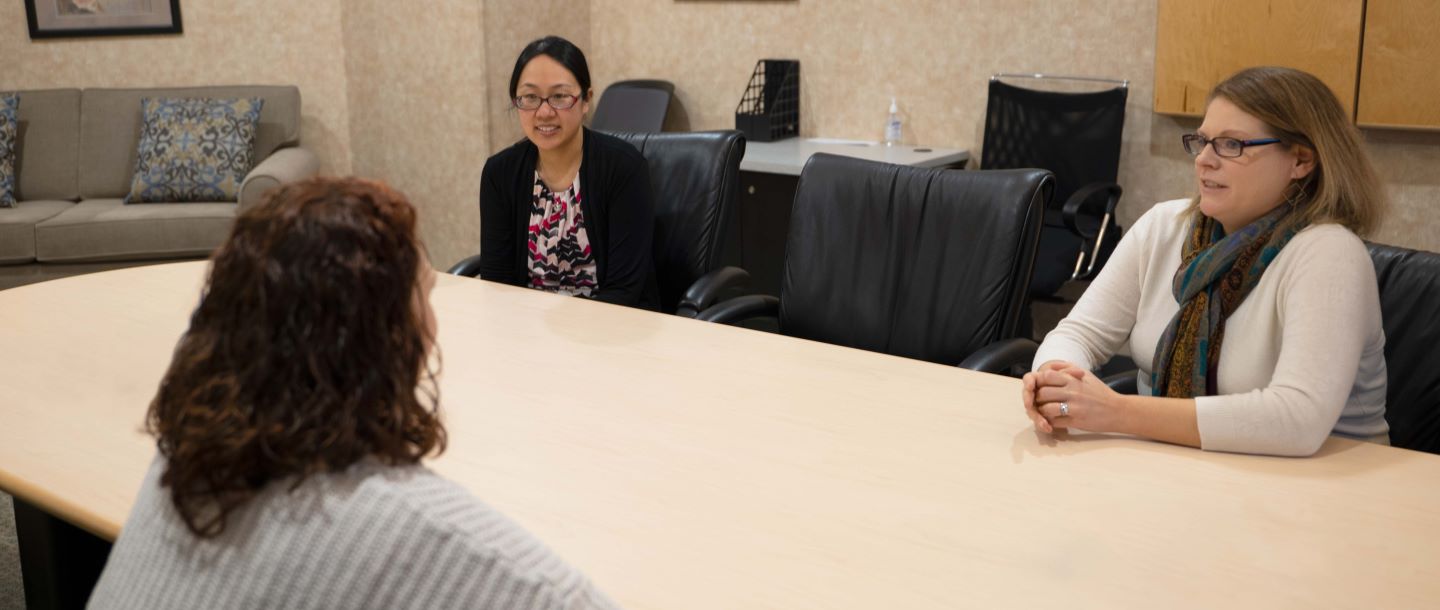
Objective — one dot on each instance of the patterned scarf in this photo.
(1216, 273)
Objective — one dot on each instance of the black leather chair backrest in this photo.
(695, 180)
(924, 263)
(1075, 135)
(1409, 303)
(634, 105)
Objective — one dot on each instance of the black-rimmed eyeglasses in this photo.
(558, 101)
(1194, 144)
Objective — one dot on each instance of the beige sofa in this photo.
(75, 156)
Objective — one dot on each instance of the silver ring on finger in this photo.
(1064, 410)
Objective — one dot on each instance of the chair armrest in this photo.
(1123, 383)
(1002, 356)
(710, 289)
(740, 309)
(468, 267)
(1079, 198)
(284, 165)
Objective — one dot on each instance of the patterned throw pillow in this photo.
(194, 149)
(9, 128)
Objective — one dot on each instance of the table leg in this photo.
(59, 563)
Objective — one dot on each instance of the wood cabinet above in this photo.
(1199, 43)
(1399, 75)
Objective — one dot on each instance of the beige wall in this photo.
(418, 115)
(509, 26)
(1409, 162)
(417, 98)
(256, 42)
(936, 57)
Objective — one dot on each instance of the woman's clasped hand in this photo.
(1062, 395)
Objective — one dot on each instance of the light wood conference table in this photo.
(689, 465)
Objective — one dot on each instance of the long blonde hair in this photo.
(1343, 187)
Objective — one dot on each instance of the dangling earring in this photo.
(1295, 193)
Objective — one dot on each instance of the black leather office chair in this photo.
(924, 263)
(638, 106)
(1077, 137)
(1409, 293)
(1014, 356)
(694, 178)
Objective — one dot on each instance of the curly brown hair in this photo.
(306, 354)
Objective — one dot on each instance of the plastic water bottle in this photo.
(892, 125)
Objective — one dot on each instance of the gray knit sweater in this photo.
(371, 537)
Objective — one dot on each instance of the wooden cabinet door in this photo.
(1400, 66)
(1200, 42)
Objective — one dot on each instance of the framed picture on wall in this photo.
(71, 18)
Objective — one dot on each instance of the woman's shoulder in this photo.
(512, 155)
(401, 482)
(1327, 244)
(520, 148)
(375, 491)
(1163, 219)
(1324, 258)
(443, 513)
(1330, 233)
(1172, 209)
(413, 509)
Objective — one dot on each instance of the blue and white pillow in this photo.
(9, 131)
(194, 149)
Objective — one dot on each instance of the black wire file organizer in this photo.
(770, 108)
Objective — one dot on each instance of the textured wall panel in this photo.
(418, 113)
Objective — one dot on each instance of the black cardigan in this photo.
(614, 197)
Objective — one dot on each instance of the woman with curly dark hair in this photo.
(290, 428)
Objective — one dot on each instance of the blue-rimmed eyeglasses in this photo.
(1224, 147)
(558, 101)
(1194, 143)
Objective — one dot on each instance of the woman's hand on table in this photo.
(1032, 384)
(1062, 395)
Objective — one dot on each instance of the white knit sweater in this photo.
(370, 537)
(1303, 355)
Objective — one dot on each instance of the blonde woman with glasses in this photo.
(1252, 308)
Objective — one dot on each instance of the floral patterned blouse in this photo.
(560, 258)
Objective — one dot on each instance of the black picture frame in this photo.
(68, 19)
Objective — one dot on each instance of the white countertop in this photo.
(788, 156)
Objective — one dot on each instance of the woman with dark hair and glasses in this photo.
(1251, 309)
(566, 210)
(290, 428)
